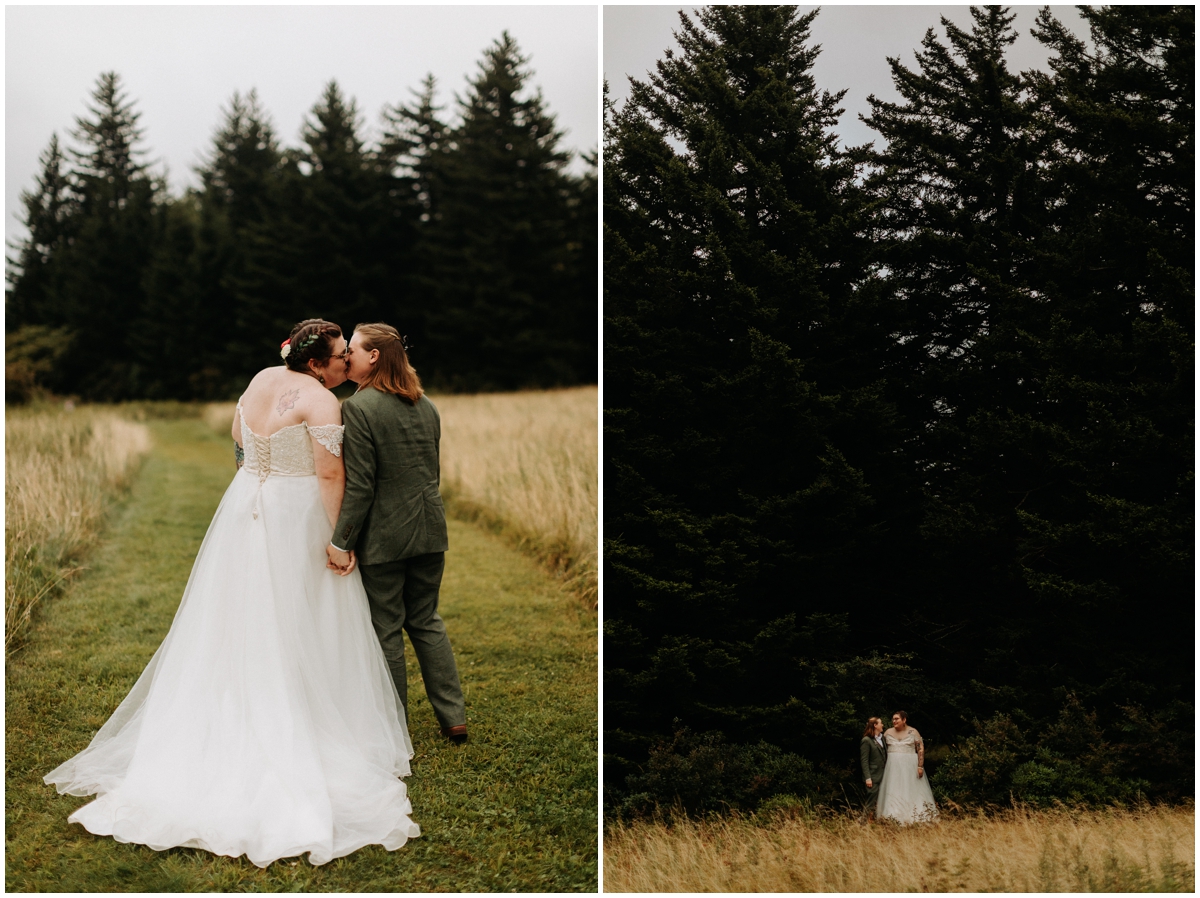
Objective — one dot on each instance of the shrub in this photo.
(1069, 760)
(30, 355)
(701, 773)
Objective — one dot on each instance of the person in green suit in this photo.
(392, 523)
(873, 756)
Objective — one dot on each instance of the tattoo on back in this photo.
(287, 401)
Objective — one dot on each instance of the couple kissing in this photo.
(271, 721)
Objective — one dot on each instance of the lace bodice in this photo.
(288, 451)
(906, 744)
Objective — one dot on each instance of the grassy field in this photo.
(1149, 849)
(513, 810)
(524, 464)
(62, 470)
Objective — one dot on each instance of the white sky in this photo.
(181, 64)
(855, 43)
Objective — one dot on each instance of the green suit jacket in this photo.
(392, 508)
(873, 760)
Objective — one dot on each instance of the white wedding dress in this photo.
(904, 796)
(267, 723)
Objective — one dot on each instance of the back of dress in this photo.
(267, 723)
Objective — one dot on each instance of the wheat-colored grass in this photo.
(1146, 849)
(219, 415)
(525, 463)
(62, 467)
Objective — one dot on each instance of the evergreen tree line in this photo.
(906, 425)
(471, 237)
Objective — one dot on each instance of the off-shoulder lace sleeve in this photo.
(329, 436)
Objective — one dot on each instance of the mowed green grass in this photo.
(513, 810)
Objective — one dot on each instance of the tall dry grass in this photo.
(528, 464)
(1147, 849)
(61, 470)
(524, 463)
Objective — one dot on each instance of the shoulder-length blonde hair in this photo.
(391, 372)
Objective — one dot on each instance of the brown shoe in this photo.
(456, 734)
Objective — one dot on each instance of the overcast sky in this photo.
(181, 64)
(855, 44)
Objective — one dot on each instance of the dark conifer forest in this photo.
(901, 426)
(461, 225)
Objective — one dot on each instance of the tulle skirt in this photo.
(903, 796)
(267, 723)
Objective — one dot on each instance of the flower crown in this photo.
(285, 348)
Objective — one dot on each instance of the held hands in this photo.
(341, 562)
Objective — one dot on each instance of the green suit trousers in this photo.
(403, 596)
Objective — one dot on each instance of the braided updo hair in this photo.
(311, 340)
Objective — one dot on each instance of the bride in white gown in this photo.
(267, 723)
(904, 793)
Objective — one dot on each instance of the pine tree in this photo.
(416, 144)
(179, 340)
(100, 296)
(502, 273)
(958, 220)
(1123, 173)
(1047, 390)
(328, 245)
(416, 139)
(578, 319)
(31, 275)
(1105, 545)
(744, 426)
(241, 182)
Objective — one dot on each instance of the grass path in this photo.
(514, 810)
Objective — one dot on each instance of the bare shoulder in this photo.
(262, 386)
(261, 380)
(320, 406)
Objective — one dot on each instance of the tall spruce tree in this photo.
(1105, 547)
(1027, 223)
(179, 339)
(957, 221)
(416, 144)
(329, 243)
(746, 440)
(47, 220)
(503, 229)
(241, 181)
(100, 295)
(35, 339)
(579, 318)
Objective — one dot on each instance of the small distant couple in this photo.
(893, 770)
(271, 721)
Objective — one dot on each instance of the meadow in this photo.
(1061, 850)
(525, 465)
(512, 810)
(63, 467)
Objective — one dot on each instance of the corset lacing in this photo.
(294, 457)
(262, 449)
